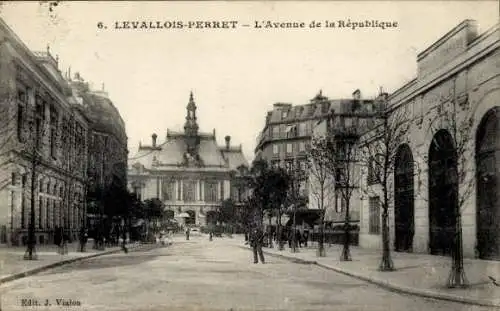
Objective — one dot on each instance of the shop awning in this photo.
(308, 216)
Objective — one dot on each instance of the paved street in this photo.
(203, 275)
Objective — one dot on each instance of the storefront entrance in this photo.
(487, 180)
(443, 193)
(403, 200)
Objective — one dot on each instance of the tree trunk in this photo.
(321, 240)
(124, 235)
(457, 276)
(346, 251)
(31, 250)
(270, 238)
(278, 232)
(386, 264)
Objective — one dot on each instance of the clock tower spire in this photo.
(191, 127)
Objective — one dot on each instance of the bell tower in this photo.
(191, 127)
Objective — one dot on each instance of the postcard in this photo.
(249, 155)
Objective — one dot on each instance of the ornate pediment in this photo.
(192, 160)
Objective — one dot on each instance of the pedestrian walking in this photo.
(306, 237)
(290, 237)
(256, 241)
(58, 239)
(83, 239)
(187, 233)
(298, 239)
(65, 242)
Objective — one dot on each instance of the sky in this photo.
(236, 75)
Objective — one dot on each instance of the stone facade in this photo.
(286, 139)
(107, 145)
(189, 172)
(347, 121)
(451, 106)
(45, 135)
(34, 104)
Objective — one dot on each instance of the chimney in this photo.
(154, 136)
(228, 142)
(383, 94)
(356, 94)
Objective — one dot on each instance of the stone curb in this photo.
(390, 285)
(19, 275)
(289, 258)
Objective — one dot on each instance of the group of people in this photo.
(61, 239)
(164, 238)
(301, 237)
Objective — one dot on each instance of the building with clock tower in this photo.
(188, 171)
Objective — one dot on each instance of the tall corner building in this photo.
(49, 126)
(286, 137)
(188, 171)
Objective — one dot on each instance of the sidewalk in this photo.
(417, 274)
(13, 266)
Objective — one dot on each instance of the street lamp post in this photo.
(297, 178)
(279, 230)
(31, 250)
(294, 225)
(30, 253)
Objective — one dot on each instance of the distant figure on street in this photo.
(298, 239)
(256, 241)
(247, 239)
(306, 237)
(210, 236)
(83, 239)
(65, 242)
(187, 233)
(58, 239)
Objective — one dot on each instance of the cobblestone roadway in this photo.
(202, 275)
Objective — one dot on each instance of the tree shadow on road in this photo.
(111, 261)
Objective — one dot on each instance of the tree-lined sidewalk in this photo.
(13, 267)
(417, 274)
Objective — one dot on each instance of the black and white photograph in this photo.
(250, 155)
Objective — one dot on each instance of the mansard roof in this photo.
(234, 157)
(170, 155)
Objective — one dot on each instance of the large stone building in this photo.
(286, 138)
(188, 171)
(449, 159)
(45, 135)
(106, 144)
(346, 121)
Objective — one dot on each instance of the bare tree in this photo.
(454, 119)
(269, 188)
(32, 136)
(379, 150)
(340, 158)
(295, 197)
(321, 181)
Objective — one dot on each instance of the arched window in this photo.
(443, 193)
(404, 199)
